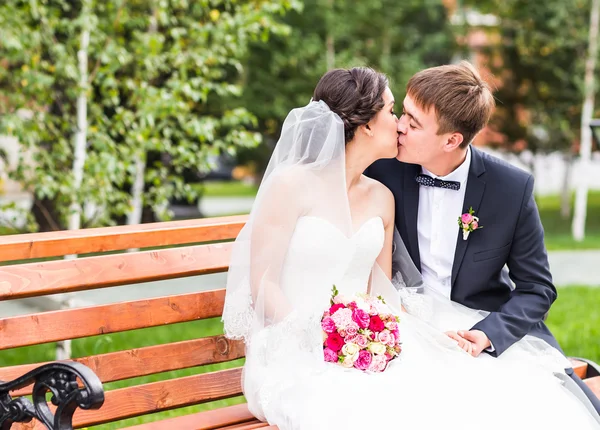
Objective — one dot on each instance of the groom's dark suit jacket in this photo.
(502, 197)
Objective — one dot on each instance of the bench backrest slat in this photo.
(89, 321)
(63, 276)
(55, 244)
(116, 366)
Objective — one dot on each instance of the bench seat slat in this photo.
(594, 384)
(116, 366)
(160, 396)
(207, 420)
(52, 277)
(103, 239)
(89, 321)
(579, 367)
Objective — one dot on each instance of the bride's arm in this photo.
(272, 227)
(385, 201)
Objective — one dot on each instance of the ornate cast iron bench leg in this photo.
(60, 379)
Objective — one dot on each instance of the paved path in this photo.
(575, 267)
(568, 268)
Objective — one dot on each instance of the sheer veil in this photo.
(304, 178)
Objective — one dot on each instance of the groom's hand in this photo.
(479, 340)
(463, 343)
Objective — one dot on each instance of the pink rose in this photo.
(335, 307)
(351, 330)
(392, 325)
(466, 218)
(335, 342)
(364, 360)
(385, 337)
(328, 325)
(330, 355)
(474, 225)
(378, 363)
(361, 318)
(361, 340)
(376, 324)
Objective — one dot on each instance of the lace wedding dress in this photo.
(432, 385)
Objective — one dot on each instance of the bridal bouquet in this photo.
(360, 332)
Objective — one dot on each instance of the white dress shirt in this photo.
(437, 226)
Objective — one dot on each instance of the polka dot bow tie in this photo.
(428, 181)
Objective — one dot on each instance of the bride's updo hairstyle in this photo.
(356, 95)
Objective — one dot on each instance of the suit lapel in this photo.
(473, 196)
(410, 200)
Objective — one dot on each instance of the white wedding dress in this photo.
(433, 384)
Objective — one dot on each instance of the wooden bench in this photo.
(185, 248)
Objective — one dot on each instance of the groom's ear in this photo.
(454, 141)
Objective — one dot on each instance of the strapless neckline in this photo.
(336, 228)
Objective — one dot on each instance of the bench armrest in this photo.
(63, 380)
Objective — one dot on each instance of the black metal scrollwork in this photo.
(61, 380)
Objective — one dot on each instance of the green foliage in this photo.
(163, 77)
(397, 38)
(539, 55)
(574, 319)
(557, 230)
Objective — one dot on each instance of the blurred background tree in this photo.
(396, 38)
(538, 53)
(162, 76)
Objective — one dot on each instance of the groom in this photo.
(437, 177)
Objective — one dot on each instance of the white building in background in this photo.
(549, 170)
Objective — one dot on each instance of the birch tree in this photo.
(579, 214)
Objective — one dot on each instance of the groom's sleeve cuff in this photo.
(490, 348)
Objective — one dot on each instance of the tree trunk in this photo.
(330, 41)
(578, 227)
(386, 51)
(63, 349)
(137, 190)
(565, 198)
(81, 134)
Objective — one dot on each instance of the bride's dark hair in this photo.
(356, 95)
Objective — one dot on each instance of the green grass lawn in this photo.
(226, 189)
(574, 320)
(558, 230)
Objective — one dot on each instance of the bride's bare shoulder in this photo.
(381, 197)
(291, 178)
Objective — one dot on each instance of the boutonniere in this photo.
(468, 223)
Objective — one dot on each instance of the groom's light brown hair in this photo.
(462, 100)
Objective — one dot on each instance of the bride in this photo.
(318, 222)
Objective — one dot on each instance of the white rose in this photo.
(350, 349)
(377, 348)
(349, 360)
(363, 305)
